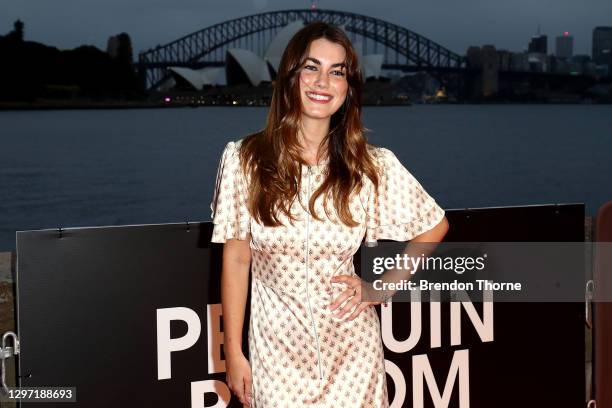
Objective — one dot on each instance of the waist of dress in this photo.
(298, 283)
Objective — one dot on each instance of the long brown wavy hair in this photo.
(272, 156)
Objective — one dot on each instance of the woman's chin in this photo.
(317, 114)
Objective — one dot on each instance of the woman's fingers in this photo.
(239, 391)
(354, 295)
(350, 282)
(240, 378)
(340, 299)
(360, 308)
(248, 394)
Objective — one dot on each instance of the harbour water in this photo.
(78, 168)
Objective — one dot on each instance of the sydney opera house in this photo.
(243, 66)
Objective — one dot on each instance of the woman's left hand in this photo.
(353, 293)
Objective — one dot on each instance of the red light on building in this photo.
(566, 33)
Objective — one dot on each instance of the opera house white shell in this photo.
(198, 78)
(371, 65)
(252, 65)
(277, 46)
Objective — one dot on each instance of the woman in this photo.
(293, 203)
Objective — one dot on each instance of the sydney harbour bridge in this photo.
(402, 48)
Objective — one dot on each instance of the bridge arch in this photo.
(403, 49)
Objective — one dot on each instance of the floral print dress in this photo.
(300, 354)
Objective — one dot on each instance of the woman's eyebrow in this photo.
(316, 61)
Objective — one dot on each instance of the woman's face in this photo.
(323, 82)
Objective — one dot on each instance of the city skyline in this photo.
(70, 23)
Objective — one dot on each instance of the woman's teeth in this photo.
(318, 97)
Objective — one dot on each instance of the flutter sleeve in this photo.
(401, 209)
(229, 212)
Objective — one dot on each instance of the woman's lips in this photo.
(318, 97)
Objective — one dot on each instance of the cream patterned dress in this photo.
(300, 354)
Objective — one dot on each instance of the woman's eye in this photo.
(310, 67)
(338, 73)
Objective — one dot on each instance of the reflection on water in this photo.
(113, 167)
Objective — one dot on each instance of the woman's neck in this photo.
(310, 135)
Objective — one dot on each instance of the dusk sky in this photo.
(456, 24)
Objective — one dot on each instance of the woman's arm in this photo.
(436, 234)
(234, 290)
(429, 240)
(433, 236)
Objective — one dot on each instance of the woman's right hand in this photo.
(239, 378)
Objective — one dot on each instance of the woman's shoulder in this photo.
(232, 158)
(382, 155)
(229, 161)
(238, 142)
(231, 151)
(249, 142)
(233, 145)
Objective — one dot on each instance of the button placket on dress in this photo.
(314, 328)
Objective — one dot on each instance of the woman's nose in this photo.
(321, 80)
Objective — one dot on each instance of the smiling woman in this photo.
(323, 84)
(293, 203)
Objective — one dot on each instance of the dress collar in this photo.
(316, 168)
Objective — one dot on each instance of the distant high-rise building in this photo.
(486, 60)
(520, 61)
(602, 45)
(539, 44)
(565, 46)
(120, 47)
